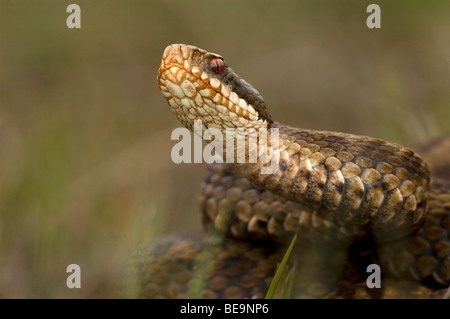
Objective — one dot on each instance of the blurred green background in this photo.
(85, 169)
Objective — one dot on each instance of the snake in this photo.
(353, 201)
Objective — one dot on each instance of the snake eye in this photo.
(217, 65)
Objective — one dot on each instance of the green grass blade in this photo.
(279, 272)
(289, 282)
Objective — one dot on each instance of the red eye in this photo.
(217, 65)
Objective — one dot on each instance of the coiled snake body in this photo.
(352, 200)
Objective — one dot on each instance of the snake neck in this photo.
(359, 183)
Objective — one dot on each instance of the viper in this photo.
(353, 201)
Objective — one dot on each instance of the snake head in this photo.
(199, 85)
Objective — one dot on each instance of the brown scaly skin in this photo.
(358, 184)
(334, 188)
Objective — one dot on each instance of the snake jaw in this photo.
(195, 92)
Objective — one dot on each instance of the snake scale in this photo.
(352, 200)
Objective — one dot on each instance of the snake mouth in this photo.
(199, 85)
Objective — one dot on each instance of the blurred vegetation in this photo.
(85, 168)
